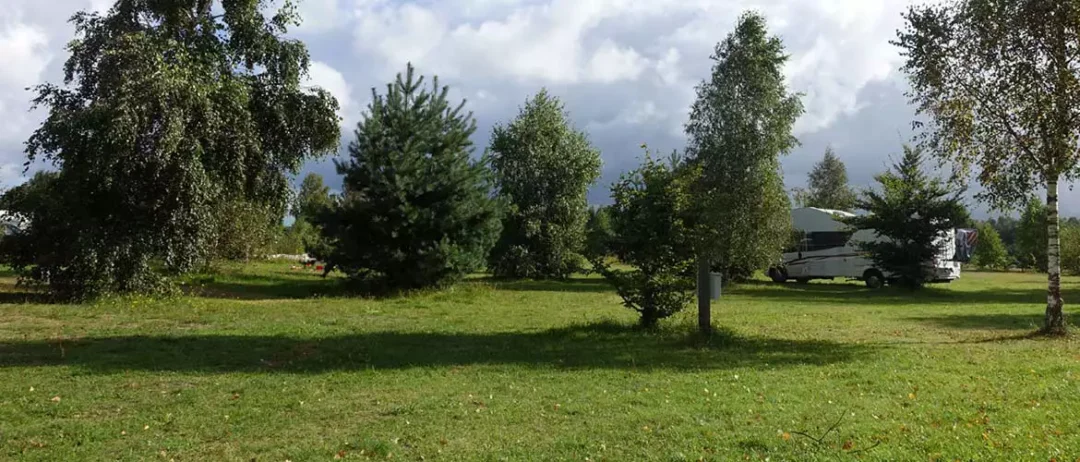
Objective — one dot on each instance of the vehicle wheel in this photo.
(874, 279)
(803, 280)
(777, 275)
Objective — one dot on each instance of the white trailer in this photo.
(829, 249)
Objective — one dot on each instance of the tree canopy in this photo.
(312, 198)
(417, 211)
(828, 186)
(740, 125)
(651, 233)
(168, 109)
(1000, 84)
(543, 169)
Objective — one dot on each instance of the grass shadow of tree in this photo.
(579, 284)
(599, 346)
(993, 321)
(855, 294)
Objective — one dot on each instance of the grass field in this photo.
(265, 363)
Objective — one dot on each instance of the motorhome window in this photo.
(826, 240)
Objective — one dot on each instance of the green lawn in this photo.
(265, 363)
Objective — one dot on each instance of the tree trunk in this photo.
(704, 294)
(1055, 317)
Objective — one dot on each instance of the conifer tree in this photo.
(417, 210)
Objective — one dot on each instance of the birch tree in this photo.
(997, 82)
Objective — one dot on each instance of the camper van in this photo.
(826, 248)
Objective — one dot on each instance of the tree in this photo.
(312, 198)
(739, 127)
(1006, 227)
(245, 230)
(417, 211)
(598, 233)
(168, 110)
(999, 82)
(1031, 236)
(651, 234)
(1070, 247)
(543, 169)
(910, 213)
(990, 252)
(828, 188)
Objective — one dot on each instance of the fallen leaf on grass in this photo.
(848, 445)
(55, 399)
(340, 455)
(786, 436)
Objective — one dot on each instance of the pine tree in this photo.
(417, 210)
(543, 169)
(828, 185)
(911, 212)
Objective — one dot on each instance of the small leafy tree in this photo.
(990, 252)
(313, 201)
(598, 233)
(417, 211)
(651, 234)
(1070, 247)
(246, 230)
(168, 109)
(740, 125)
(911, 212)
(543, 169)
(312, 198)
(1031, 240)
(828, 188)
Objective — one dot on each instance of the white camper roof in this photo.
(813, 220)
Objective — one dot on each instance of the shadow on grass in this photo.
(275, 286)
(858, 295)
(997, 321)
(594, 285)
(600, 346)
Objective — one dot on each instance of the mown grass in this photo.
(267, 363)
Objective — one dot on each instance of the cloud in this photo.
(626, 69)
(322, 75)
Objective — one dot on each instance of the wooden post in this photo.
(704, 296)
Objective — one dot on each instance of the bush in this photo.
(651, 235)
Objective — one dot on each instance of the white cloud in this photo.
(24, 49)
(322, 75)
(611, 63)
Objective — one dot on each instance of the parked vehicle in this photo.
(826, 248)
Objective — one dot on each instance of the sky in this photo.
(625, 69)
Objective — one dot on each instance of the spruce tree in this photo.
(417, 210)
(909, 213)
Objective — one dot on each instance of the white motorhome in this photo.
(829, 249)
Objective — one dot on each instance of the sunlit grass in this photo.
(271, 363)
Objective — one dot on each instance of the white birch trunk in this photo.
(1055, 317)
